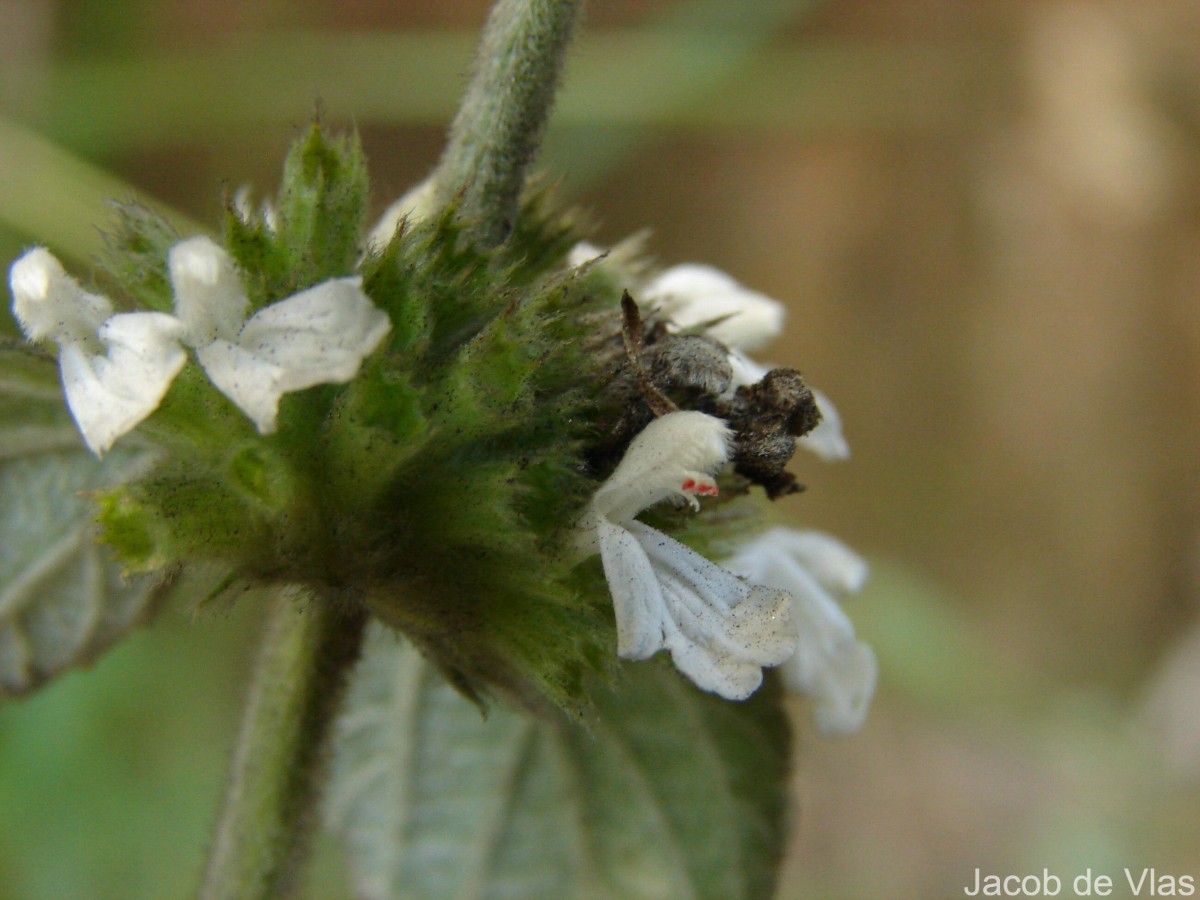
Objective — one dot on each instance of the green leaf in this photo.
(62, 598)
(33, 413)
(664, 791)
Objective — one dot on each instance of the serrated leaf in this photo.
(664, 792)
(62, 598)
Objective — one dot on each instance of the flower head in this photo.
(829, 664)
(720, 630)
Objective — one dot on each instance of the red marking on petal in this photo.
(708, 490)
(689, 485)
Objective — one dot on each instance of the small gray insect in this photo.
(661, 372)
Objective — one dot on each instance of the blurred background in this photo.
(985, 220)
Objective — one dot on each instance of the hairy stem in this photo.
(499, 126)
(262, 835)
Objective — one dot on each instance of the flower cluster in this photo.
(502, 425)
(774, 602)
(117, 367)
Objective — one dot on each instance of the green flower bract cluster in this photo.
(440, 486)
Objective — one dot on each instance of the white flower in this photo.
(318, 336)
(829, 664)
(693, 295)
(116, 368)
(720, 630)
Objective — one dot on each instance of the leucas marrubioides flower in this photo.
(720, 629)
(779, 592)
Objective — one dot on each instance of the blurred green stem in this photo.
(51, 196)
(496, 133)
(262, 835)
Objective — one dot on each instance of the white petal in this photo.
(721, 631)
(721, 674)
(416, 204)
(109, 395)
(844, 694)
(251, 382)
(670, 451)
(776, 555)
(208, 295)
(829, 664)
(714, 606)
(694, 295)
(823, 629)
(835, 566)
(319, 336)
(826, 440)
(637, 599)
(50, 305)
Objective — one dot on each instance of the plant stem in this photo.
(496, 133)
(262, 835)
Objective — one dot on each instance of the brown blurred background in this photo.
(985, 220)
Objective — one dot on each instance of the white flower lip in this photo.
(719, 629)
(693, 295)
(830, 665)
(116, 368)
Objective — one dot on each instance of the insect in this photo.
(660, 372)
